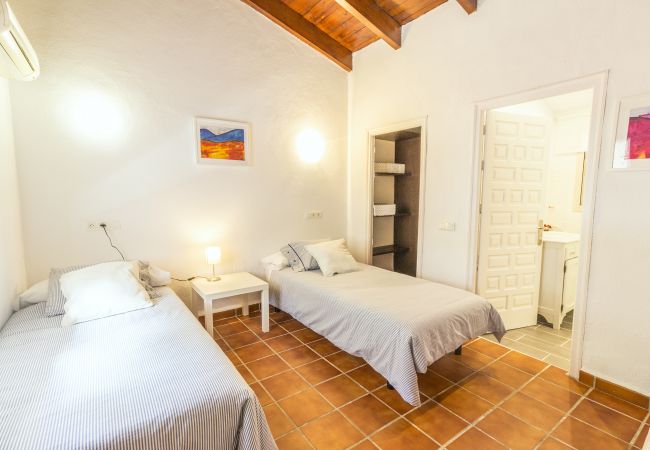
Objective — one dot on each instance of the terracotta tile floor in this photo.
(316, 396)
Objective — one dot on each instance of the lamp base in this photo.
(212, 279)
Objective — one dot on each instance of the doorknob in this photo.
(540, 231)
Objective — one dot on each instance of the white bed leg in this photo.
(265, 309)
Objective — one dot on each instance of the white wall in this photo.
(12, 263)
(107, 133)
(450, 61)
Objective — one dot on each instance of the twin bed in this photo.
(148, 379)
(399, 324)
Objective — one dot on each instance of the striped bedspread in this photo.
(148, 379)
(399, 324)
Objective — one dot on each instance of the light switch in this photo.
(447, 226)
(314, 215)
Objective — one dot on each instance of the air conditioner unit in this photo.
(17, 57)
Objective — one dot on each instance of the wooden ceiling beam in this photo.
(304, 30)
(376, 19)
(469, 5)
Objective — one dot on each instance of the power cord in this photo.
(190, 278)
(103, 225)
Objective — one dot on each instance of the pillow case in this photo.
(36, 293)
(298, 257)
(276, 261)
(146, 279)
(55, 298)
(333, 257)
(102, 290)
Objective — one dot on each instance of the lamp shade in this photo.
(213, 255)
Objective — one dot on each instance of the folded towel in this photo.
(390, 167)
(384, 209)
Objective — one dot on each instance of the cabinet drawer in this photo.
(571, 250)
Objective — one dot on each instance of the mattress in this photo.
(399, 324)
(148, 379)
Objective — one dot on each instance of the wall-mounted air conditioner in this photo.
(17, 57)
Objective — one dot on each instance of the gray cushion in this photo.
(300, 260)
(55, 298)
(145, 279)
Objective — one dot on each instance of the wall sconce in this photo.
(310, 146)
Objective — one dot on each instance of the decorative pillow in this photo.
(298, 257)
(55, 298)
(102, 290)
(276, 261)
(35, 294)
(333, 257)
(146, 279)
(159, 277)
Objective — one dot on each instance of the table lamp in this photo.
(213, 257)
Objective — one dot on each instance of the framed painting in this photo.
(632, 147)
(222, 142)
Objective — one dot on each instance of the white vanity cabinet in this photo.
(559, 275)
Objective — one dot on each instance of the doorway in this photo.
(534, 197)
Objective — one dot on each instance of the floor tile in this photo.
(463, 403)
(436, 421)
(640, 440)
(332, 432)
(545, 346)
(261, 394)
(365, 445)
(293, 441)
(282, 343)
(507, 374)
(368, 413)
(292, 325)
(432, 384)
(241, 339)
(246, 374)
(558, 361)
(548, 337)
(305, 406)
(603, 418)
(318, 371)
(450, 369)
(254, 351)
(523, 362)
(232, 356)
(392, 398)
(267, 367)
(340, 390)
(367, 377)
(616, 403)
(528, 350)
(231, 328)
(582, 436)
(402, 435)
(551, 394)
(284, 384)
(280, 316)
(472, 359)
(344, 361)
(488, 348)
(553, 444)
(299, 356)
(510, 431)
(306, 335)
(487, 388)
(474, 439)
(532, 411)
(278, 420)
(561, 378)
(323, 347)
(274, 331)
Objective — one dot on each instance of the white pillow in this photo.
(276, 261)
(102, 290)
(159, 277)
(35, 294)
(333, 257)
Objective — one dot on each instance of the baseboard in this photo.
(614, 389)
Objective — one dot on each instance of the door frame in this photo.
(370, 177)
(597, 82)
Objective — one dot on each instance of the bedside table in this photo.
(228, 286)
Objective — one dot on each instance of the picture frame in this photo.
(222, 142)
(632, 145)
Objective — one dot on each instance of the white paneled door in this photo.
(510, 248)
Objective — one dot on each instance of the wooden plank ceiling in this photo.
(338, 28)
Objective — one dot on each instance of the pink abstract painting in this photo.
(638, 136)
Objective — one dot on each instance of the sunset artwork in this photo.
(222, 142)
(638, 135)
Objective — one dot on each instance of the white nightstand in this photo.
(228, 286)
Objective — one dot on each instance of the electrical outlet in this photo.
(314, 215)
(447, 226)
(111, 225)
